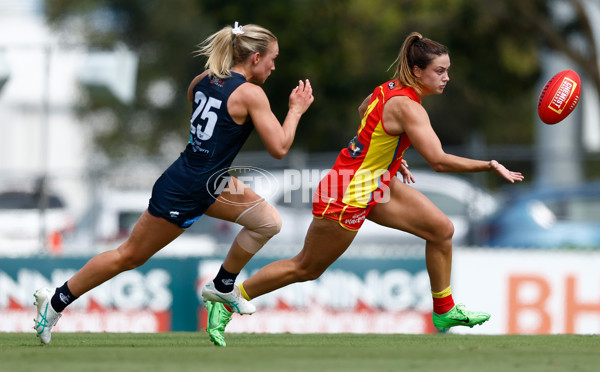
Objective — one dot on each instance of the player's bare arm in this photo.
(190, 92)
(401, 115)
(277, 138)
(363, 106)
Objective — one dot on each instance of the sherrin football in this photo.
(559, 97)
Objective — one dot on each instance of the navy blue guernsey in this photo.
(215, 139)
(193, 182)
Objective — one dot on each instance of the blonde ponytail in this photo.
(233, 45)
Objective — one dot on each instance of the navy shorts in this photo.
(181, 196)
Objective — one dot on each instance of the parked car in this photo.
(462, 201)
(22, 223)
(561, 217)
(114, 213)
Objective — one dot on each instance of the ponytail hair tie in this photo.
(237, 29)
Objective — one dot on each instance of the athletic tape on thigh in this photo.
(261, 222)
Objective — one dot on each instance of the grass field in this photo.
(178, 352)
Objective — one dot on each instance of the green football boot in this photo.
(218, 318)
(458, 316)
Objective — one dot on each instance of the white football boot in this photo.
(233, 299)
(46, 317)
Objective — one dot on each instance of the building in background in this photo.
(44, 148)
(40, 135)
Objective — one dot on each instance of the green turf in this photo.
(179, 352)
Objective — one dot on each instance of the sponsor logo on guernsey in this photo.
(197, 146)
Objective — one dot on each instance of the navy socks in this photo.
(62, 298)
(224, 281)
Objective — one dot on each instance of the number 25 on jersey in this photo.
(204, 117)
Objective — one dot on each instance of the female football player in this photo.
(363, 185)
(227, 107)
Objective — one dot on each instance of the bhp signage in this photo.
(532, 296)
(531, 292)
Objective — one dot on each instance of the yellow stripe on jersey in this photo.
(378, 158)
(370, 108)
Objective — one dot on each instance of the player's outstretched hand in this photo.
(407, 176)
(301, 97)
(509, 175)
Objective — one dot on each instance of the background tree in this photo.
(343, 46)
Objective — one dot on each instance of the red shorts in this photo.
(348, 216)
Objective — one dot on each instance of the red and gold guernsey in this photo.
(363, 170)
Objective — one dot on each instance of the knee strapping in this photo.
(261, 222)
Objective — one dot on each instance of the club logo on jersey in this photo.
(216, 81)
(355, 147)
(392, 85)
